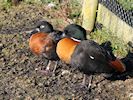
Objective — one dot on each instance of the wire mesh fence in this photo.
(117, 9)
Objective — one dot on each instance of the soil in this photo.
(20, 81)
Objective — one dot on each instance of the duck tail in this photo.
(118, 65)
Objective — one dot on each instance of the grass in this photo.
(5, 4)
(127, 4)
(119, 47)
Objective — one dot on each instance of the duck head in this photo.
(42, 26)
(75, 31)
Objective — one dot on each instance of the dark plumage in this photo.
(90, 58)
(128, 60)
(107, 46)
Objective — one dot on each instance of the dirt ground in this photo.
(20, 81)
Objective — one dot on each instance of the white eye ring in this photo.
(42, 26)
(92, 57)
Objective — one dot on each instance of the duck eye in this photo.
(42, 26)
(66, 31)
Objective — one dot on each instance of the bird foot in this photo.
(82, 87)
(45, 72)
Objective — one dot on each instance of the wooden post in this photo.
(89, 13)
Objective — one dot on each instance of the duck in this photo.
(78, 33)
(87, 56)
(41, 44)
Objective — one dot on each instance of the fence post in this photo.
(89, 13)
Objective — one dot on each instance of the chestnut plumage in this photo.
(41, 43)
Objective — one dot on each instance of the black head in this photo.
(75, 31)
(45, 26)
(42, 26)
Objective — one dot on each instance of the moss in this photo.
(127, 4)
(5, 5)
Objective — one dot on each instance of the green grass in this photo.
(6, 4)
(127, 4)
(119, 47)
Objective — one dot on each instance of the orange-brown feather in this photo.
(37, 42)
(118, 65)
(65, 49)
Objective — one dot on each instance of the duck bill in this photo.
(30, 32)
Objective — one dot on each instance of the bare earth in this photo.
(20, 81)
